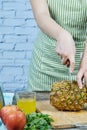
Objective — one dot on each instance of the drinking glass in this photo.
(26, 101)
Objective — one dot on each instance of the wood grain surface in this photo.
(62, 119)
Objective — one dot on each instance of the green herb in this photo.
(38, 121)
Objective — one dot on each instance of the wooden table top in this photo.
(45, 95)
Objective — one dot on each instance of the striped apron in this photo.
(45, 67)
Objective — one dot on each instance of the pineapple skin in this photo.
(67, 96)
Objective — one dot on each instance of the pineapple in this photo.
(67, 96)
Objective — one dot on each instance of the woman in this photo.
(60, 43)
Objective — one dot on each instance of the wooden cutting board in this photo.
(62, 119)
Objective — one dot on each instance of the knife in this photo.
(70, 77)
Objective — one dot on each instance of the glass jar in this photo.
(2, 103)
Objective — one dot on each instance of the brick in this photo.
(5, 46)
(24, 62)
(21, 78)
(28, 54)
(6, 62)
(9, 5)
(1, 68)
(13, 22)
(6, 77)
(26, 70)
(7, 14)
(30, 23)
(1, 36)
(6, 30)
(0, 5)
(9, 74)
(15, 38)
(32, 38)
(28, 5)
(0, 54)
(13, 55)
(1, 21)
(24, 47)
(12, 71)
(25, 31)
(2, 40)
(24, 14)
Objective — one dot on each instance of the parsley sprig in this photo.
(38, 121)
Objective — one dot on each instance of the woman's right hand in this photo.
(66, 49)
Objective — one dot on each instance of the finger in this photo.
(68, 63)
(79, 79)
(72, 63)
(85, 78)
(64, 60)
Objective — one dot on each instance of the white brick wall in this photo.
(18, 31)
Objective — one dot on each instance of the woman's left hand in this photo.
(82, 73)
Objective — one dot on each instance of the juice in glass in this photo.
(1, 104)
(26, 101)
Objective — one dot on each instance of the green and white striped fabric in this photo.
(46, 67)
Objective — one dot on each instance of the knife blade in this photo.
(70, 77)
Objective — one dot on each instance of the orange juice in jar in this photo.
(26, 101)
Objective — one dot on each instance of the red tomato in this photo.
(16, 121)
(6, 110)
(13, 117)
